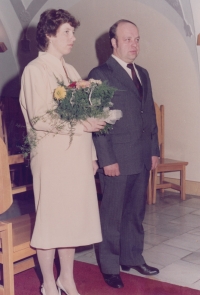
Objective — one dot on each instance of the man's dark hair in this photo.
(113, 29)
(50, 21)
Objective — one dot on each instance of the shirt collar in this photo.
(121, 62)
(124, 66)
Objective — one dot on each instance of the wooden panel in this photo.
(8, 273)
(22, 231)
(23, 265)
(21, 219)
(20, 228)
(16, 159)
(21, 254)
(171, 161)
(168, 168)
(5, 183)
(3, 227)
(164, 185)
(23, 245)
(22, 189)
(176, 187)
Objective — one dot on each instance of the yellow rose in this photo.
(59, 93)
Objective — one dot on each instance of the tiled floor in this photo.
(172, 238)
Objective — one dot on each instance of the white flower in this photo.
(99, 82)
(114, 115)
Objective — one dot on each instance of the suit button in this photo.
(143, 130)
(141, 111)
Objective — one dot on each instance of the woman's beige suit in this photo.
(64, 187)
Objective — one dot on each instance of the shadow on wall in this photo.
(103, 48)
(26, 51)
(11, 112)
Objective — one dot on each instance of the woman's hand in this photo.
(93, 125)
(95, 166)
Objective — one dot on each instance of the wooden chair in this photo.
(166, 165)
(16, 254)
(3, 134)
(149, 190)
(3, 131)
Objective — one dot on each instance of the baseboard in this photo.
(192, 187)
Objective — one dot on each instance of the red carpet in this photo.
(90, 282)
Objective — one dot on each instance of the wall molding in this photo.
(192, 187)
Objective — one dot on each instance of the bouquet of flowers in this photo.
(75, 103)
(84, 99)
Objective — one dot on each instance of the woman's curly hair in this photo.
(50, 21)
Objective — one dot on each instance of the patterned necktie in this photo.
(136, 80)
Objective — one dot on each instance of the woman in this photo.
(63, 176)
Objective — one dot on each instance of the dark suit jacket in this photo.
(133, 139)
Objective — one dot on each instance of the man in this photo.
(126, 155)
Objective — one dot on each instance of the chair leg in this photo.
(7, 250)
(149, 190)
(154, 184)
(162, 176)
(182, 180)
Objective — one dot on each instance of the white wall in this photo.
(168, 54)
(195, 4)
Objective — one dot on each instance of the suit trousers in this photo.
(122, 212)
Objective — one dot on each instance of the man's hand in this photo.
(112, 170)
(154, 162)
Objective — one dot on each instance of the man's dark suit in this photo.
(131, 143)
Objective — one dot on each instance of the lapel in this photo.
(124, 79)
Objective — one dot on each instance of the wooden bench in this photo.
(16, 254)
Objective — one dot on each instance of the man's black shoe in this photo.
(113, 281)
(144, 269)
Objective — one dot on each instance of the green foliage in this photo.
(83, 103)
(30, 142)
(79, 104)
